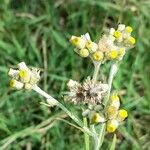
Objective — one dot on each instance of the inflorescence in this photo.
(111, 46)
(23, 77)
(90, 93)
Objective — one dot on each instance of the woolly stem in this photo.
(112, 74)
(95, 137)
(86, 136)
(96, 70)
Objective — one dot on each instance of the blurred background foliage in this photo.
(37, 32)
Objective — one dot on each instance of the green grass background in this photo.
(37, 32)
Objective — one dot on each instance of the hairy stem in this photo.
(95, 75)
(112, 73)
(86, 136)
(96, 70)
(95, 138)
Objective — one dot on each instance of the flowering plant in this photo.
(99, 106)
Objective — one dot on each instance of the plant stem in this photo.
(95, 75)
(86, 136)
(96, 70)
(101, 135)
(53, 101)
(113, 144)
(96, 145)
(112, 73)
(95, 138)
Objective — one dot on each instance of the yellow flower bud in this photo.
(112, 54)
(132, 40)
(114, 97)
(78, 42)
(24, 76)
(112, 126)
(129, 29)
(115, 101)
(84, 52)
(75, 40)
(16, 84)
(96, 118)
(98, 56)
(117, 34)
(12, 83)
(91, 46)
(122, 114)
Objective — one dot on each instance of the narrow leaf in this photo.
(113, 144)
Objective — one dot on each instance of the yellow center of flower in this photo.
(132, 40)
(111, 128)
(89, 44)
(23, 73)
(117, 34)
(12, 83)
(113, 54)
(129, 29)
(84, 52)
(75, 41)
(97, 56)
(96, 118)
(123, 113)
(114, 97)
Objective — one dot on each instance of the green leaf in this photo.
(59, 38)
(113, 144)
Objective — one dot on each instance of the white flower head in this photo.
(106, 43)
(24, 77)
(89, 92)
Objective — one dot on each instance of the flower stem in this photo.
(96, 145)
(95, 138)
(86, 136)
(112, 73)
(95, 75)
(101, 135)
(96, 70)
(53, 101)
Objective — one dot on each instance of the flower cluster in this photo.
(89, 92)
(114, 115)
(85, 47)
(111, 46)
(23, 77)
